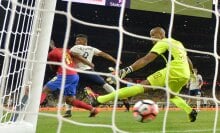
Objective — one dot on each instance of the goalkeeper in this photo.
(179, 71)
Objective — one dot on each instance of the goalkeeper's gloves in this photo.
(111, 80)
(123, 72)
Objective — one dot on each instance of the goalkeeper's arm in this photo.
(140, 63)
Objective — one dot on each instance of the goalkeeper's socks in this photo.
(180, 103)
(81, 104)
(43, 97)
(122, 93)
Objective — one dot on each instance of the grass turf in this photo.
(177, 122)
(165, 6)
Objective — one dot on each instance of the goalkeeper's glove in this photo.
(111, 80)
(123, 72)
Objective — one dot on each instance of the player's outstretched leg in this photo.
(180, 103)
(93, 112)
(91, 96)
(81, 104)
(122, 93)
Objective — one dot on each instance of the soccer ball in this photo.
(145, 110)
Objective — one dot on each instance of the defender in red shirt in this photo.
(71, 82)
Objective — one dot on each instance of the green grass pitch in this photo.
(177, 122)
(165, 6)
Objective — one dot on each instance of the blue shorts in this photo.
(91, 79)
(69, 87)
(195, 92)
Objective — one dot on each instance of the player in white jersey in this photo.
(194, 85)
(88, 52)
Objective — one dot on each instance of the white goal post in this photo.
(25, 31)
(25, 34)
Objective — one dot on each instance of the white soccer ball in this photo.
(145, 110)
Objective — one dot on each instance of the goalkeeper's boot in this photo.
(91, 96)
(94, 112)
(67, 114)
(193, 115)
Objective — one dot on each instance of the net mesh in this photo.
(15, 41)
(14, 51)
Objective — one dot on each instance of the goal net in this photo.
(25, 33)
(22, 57)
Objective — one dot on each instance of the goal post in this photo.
(26, 31)
(42, 41)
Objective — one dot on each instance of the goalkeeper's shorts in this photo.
(159, 79)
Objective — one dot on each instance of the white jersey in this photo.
(85, 51)
(195, 82)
